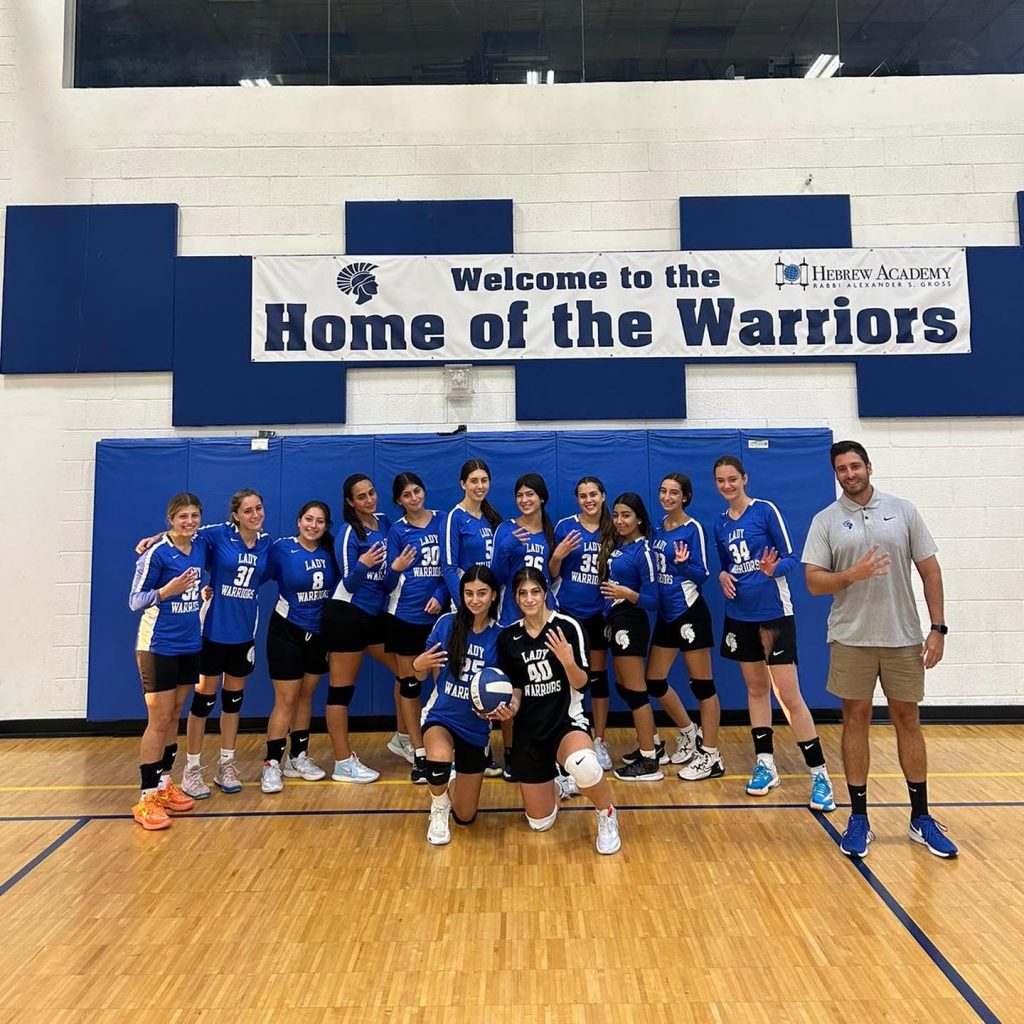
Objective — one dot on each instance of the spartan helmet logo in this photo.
(730, 642)
(688, 633)
(357, 279)
(622, 639)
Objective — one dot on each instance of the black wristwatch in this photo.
(936, 628)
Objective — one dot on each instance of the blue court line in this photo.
(955, 978)
(79, 824)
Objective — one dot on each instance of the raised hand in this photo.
(769, 562)
(560, 647)
(873, 563)
(404, 558)
(570, 542)
(432, 658)
(682, 550)
(374, 555)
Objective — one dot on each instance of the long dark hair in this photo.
(349, 512)
(535, 482)
(459, 638)
(604, 524)
(684, 485)
(489, 512)
(643, 524)
(402, 481)
(327, 540)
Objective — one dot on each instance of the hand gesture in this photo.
(617, 592)
(570, 542)
(560, 647)
(188, 579)
(405, 558)
(769, 562)
(433, 607)
(374, 555)
(934, 646)
(521, 534)
(682, 550)
(873, 563)
(206, 593)
(431, 659)
(728, 585)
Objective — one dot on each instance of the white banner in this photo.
(823, 302)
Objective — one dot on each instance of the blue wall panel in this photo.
(88, 289)
(618, 460)
(764, 222)
(215, 381)
(428, 227)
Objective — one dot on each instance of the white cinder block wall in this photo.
(928, 161)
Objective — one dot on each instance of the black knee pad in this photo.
(635, 699)
(340, 696)
(463, 822)
(599, 685)
(231, 701)
(202, 704)
(437, 772)
(657, 688)
(409, 686)
(703, 689)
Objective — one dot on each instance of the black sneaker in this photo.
(659, 751)
(646, 769)
(506, 772)
(418, 775)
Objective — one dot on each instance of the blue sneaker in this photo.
(822, 798)
(928, 832)
(857, 836)
(765, 778)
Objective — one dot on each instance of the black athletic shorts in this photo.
(292, 652)
(628, 632)
(407, 638)
(162, 672)
(230, 659)
(594, 628)
(469, 759)
(347, 629)
(742, 641)
(692, 631)
(535, 755)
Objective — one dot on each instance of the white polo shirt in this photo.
(881, 611)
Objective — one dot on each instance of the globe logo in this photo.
(791, 273)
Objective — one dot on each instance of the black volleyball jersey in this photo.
(548, 699)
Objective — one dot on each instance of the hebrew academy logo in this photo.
(357, 279)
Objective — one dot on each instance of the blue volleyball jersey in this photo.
(412, 588)
(450, 704)
(236, 574)
(679, 583)
(510, 555)
(631, 565)
(740, 543)
(172, 626)
(305, 580)
(467, 541)
(362, 587)
(578, 585)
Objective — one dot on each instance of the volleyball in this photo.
(488, 688)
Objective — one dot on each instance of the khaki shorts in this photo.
(853, 672)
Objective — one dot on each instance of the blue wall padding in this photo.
(88, 289)
(428, 227)
(985, 383)
(134, 479)
(764, 222)
(215, 381)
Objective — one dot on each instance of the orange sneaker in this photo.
(173, 799)
(150, 814)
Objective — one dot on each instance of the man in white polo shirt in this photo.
(859, 550)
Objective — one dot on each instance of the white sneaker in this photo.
(193, 784)
(703, 765)
(567, 787)
(401, 747)
(608, 840)
(604, 759)
(270, 780)
(353, 770)
(438, 831)
(227, 778)
(303, 767)
(686, 745)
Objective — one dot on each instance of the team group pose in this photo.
(545, 604)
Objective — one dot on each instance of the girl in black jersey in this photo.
(545, 656)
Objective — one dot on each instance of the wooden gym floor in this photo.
(325, 903)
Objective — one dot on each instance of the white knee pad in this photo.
(543, 824)
(584, 767)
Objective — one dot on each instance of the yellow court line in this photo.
(405, 782)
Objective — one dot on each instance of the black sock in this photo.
(150, 774)
(811, 749)
(764, 740)
(858, 798)
(508, 758)
(275, 749)
(170, 753)
(918, 798)
(300, 742)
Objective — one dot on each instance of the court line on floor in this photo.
(38, 859)
(955, 978)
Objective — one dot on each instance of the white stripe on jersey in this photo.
(703, 545)
(782, 526)
(281, 607)
(448, 535)
(147, 626)
(784, 596)
(143, 568)
(396, 595)
(341, 592)
(650, 562)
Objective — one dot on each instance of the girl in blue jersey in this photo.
(353, 622)
(166, 590)
(630, 592)
(418, 594)
(684, 625)
(574, 568)
(460, 644)
(756, 556)
(306, 574)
